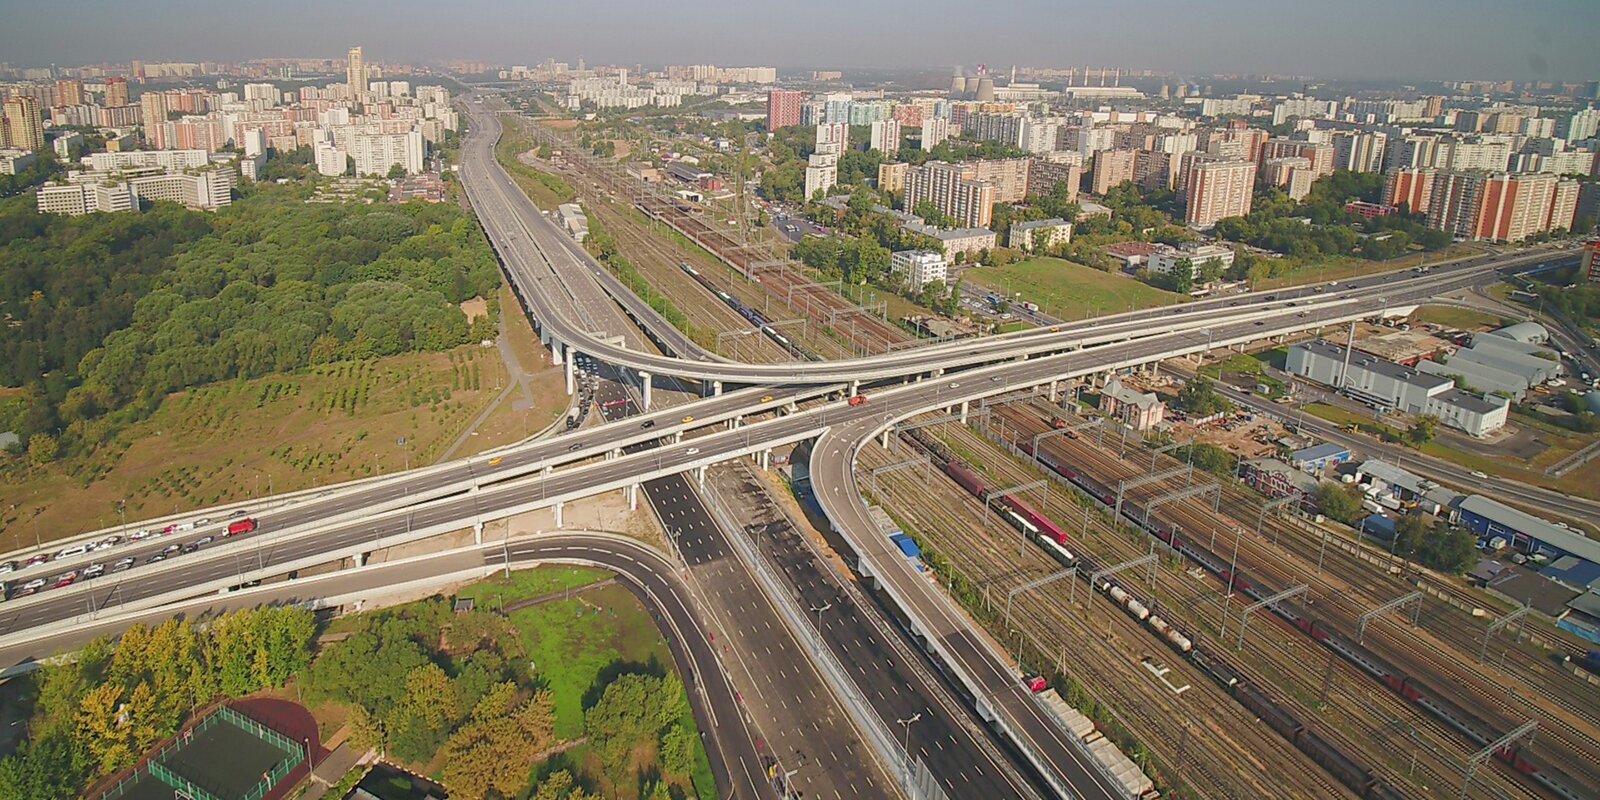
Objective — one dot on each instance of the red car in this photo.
(37, 559)
(1037, 684)
(65, 579)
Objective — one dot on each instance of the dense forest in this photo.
(106, 314)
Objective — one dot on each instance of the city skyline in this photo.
(1419, 39)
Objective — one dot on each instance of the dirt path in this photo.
(517, 381)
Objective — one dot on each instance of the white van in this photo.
(74, 550)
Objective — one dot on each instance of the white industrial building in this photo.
(1530, 362)
(1386, 384)
(574, 220)
(1166, 258)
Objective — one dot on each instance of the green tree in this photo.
(42, 449)
(1422, 430)
(677, 750)
(1339, 502)
(490, 754)
(1199, 399)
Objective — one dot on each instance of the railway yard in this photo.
(1315, 683)
(773, 291)
(1375, 727)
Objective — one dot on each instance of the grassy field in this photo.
(1460, 318)
(578, 644)
(1070, 291)
(231, 441)
(547, 191)
(1345, 268)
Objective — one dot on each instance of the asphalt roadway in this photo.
(535, 488)
(737, 765)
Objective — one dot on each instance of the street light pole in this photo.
(818, 610)
(905, 743)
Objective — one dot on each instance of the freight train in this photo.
(755, 317)
(1363, 781)
(1457, 718)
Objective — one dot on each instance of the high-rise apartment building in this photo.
(1008, 175)
(24, 125)
(356, 72)
(954, 189)
(1215, 187)
(116, 92)
(1412, 188)
(1319, 155)
(69, 92)
(934, 131)
(1112, 168)
(376, 154)
(892, 176)
(822, 172)
(153, 117)
(1591, 261)
(783, 108)
(886, 136)
(833, 138)
(1045, 176)
(1503, 207)
(1358, 151)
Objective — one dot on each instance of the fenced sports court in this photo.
(225, 756)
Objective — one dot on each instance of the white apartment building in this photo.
(375, 154)
(822, 172)
(886, 136)
(206, 190)
(918, 267)
(264, 92)
(330, 159)
(77, 198)
(833, 138)
(137, 159)
(934, 131)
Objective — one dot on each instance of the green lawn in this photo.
(578, 644)
(1071, 291)
(1460, 318)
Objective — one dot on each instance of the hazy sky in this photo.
(1483, 39)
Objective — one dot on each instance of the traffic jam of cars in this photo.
(238, 523)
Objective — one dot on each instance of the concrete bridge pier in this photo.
(633, 497)
(644, 387)
(766, 459)
(700, 476)
(883, 439)
(559, 507)
(716, 388)
(855, 388)
(1055, 391)
(964, 405)
(572, 378)
(556, 349)
(477, 532)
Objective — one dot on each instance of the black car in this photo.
(647, 424)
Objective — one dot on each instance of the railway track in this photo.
(1236, 758)
(1389, 706)
(862, 332)
(1280, 657)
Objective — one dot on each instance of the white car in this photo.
(1479, 474)
(36, 583)
(74, 550)
(93, 571)
(184, 526)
